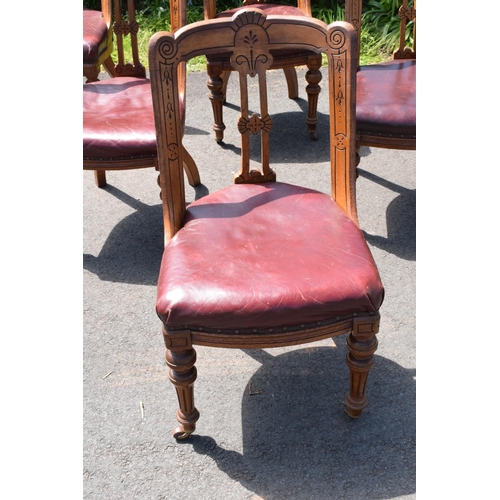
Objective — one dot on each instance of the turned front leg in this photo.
(362, 344)
(215, 84)
(181, 358)
(313, 77)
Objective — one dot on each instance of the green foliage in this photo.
(329, 15)
(381, 18)
(379, 33)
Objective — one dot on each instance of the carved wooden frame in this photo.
(168, 52)
(353, 15)
(219, 71)
(257, 34)
(129, 28)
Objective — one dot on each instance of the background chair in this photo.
(219, 67)
(386, 92)
(261, 263)
(97, 41)
(118, 123)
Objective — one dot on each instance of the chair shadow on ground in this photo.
(298, 442)
(400, 220)
(133, 250)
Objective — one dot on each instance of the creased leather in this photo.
(386, 98)
(265, 256)
(118, 119)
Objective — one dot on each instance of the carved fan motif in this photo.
(251, 58)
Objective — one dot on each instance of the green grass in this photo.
(150, 22)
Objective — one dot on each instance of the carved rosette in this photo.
(124, 28)
(409, 13)
(253, 58)
(254, 124)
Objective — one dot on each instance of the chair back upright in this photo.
(251, 36)
(407, 13)
(127, 26)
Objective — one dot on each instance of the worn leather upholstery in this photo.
(383, 112)
(94, 35)
(118, 119)
(291, 257)
(269, 9)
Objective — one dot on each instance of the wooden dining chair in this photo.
(118, 122)
(261, 263)
(386, 92)
(219, 67)
(97, 41)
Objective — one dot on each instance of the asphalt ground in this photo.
(272, 424)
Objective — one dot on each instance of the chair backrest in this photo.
(406, 13)
(251, 36)
(178, 15)
(125, 25)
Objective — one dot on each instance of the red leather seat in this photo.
(271, 9)
(386, 99)
(119, 127)
(310, 265)
(118, 120)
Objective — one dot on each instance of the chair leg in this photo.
(358, 158)
(183, 375)
(313, 77)
(225, 79)
(191, 169)
(92, 74)
(100, 178)
(362, 344)
(292, 82)
(215, 85)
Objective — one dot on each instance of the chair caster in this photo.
(313, 135)
(352, 414)
(180, 434)
(354, 409)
